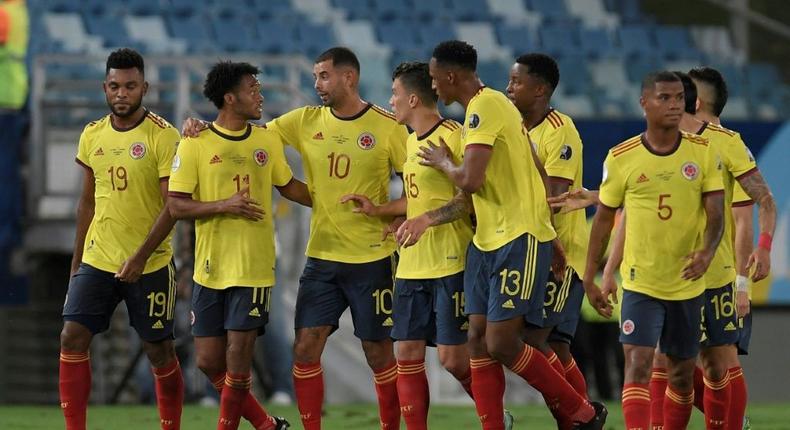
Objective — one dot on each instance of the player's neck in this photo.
(127, 122)
(661, 139)
(536, 114)
(230, 121)
(468, 89)
(349, 107)
(690, 124)
(423, 121)
(707, 116)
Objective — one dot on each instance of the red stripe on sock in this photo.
(575, 377)
(413, 395)
(658, 386)
(677, 408)
(386, 381)
(488, 387)
(309, 391)
(75, 387)
(717, 400)
(169, 387)
(636, 406)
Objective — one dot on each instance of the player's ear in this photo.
(145, 87)
(697, 104)
(229, 98)
(413, 100)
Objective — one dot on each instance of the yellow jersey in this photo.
(232, 251)
(344, 156)
(512, 200)
(736, 161)
(128, 166)
(559, 149)
(663, 197)
(441, 251)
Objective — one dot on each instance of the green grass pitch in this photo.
(337, 417)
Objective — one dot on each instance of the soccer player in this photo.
(125, 158)
(429, 290)
(223, 179)
(532, 81)
(508, 260)
(667, 181)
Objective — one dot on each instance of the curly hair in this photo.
(225, 77)
(125, 58)
(541, 66)
(456, 53)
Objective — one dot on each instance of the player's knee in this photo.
(681, 375)
(75, 337)
(638, 365)
(716, 371)
(160, 353)
(456, 366)
(309, 344)
(563, 351)
(501, 350)
(378, 353)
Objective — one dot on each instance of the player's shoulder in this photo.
(96, 125)
(451, 125)
(626, 146)
(157, 121)
(717, 128)
(694, 138)
(383, 112)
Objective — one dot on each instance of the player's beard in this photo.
(133, 107)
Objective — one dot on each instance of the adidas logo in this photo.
(254, 312)
(387, 322)
(215, 159)
(730, 327)
(642, 178)
(158, 325)
(318, 136)
(508, 304)
(465, 325)
(99, 152)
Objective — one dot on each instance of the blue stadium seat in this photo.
(63, 6)
(276, 10)
(637, 68)
(110, 28)
(636, 41)
(312, 39)
(388, 10)
(762, 80)
(195, 30)
(574, 76)
(144, 7)
(494, 74)
(356, 9)
(559, 41)
(674, 43)
(596, 43)
(276, 37)
(235, 35)
(552, 10)
(468, 10)
(430, 10)
(400, 35)
(518, 38)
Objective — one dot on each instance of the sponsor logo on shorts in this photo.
(465, 326)
(508, 304)
(387, 322)
(255, 312)
(628, 327)
(730, 327)
(158, 325)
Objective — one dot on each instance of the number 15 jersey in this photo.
(663, 198)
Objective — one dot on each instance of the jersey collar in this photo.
(702, 129)
(142, 118)
(643, 138)
(352, 117)
(429, 132)
(231, 137)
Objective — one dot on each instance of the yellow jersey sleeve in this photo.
(281, 171)
(484, 122)
(612, 189)
(84, 146)
(396, 143)
(564, 153)
(184, 172)
(739, 196)
(165, 149)
(287, 126)
(712, 180)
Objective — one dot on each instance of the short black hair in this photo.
(714, 78)
(340, 56)
(653, 78)
(125, 58)
(689, 92)
(456, 53)
(415, 77)
(542, 66)
(225, 77)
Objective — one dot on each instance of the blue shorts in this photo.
(720, 321)
(327, 288)
(508, 282)
(563, 306)
(430, 310)
(94, 294)
(214, 312)
(672, 324)
(744, 334)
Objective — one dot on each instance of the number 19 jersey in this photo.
(663, 197)
(344, 156)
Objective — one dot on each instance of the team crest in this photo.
(690, 170)
(474, 121)
(566, 152)
(260, 156)
(628, 327)
(749, 154)
(137, 150)
(366, 141)
(176, 163)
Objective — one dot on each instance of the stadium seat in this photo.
(144, 7)
(517, 38)
(559, 40)
(312, 39)
(356, 9)
(481, 35)
(674, 43)
(195, 30)
(400, 35)
(514, 12)
(574, 75)
(276, 37)
(387, 10)
(235, 35)
(359, 36)
(68, 30)
(432, 36)
(596, 43)
(593, 14)
(63, 6)
(318, 10)
(638, 68)
(109, 28)
(636, 41)
(573, 105)
(551, 10)
(610, 75)
(467, 10)
(151, 31)
(494, 74)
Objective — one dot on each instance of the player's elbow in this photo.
(471, 184)
(176, 208)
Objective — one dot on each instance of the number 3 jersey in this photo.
(230, 250)
(353, 155)
(441, 251)
(663, 198)
(127, 166)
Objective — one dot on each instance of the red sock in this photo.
(636, 406)
(309, 390)
(563, 420)
(658, 386)
(717, 400)
(574, 377)
(466, 382)
(169, 394)
(236, 388)
(536, 370)
(251, 410)
(75, 388)
(738, 397)
(386, 381)
(488, 386)
(699, 389)
(413, 393)
(677, 409)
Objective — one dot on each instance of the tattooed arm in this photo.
(714, 228)
(410, 231)
(755, 186)
(744, 246)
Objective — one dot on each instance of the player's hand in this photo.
(392, 228)
(742, 303)
(558, 261)
(609, 287)
(597, 299)
(242, 205)
(761, 260)
(436, 156)
(698, 262)
(131, 270)
(363, 204)
(193, 126)
(572, 200)
(412, 230)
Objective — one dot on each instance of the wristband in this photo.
(741, 283)
(764, 241)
